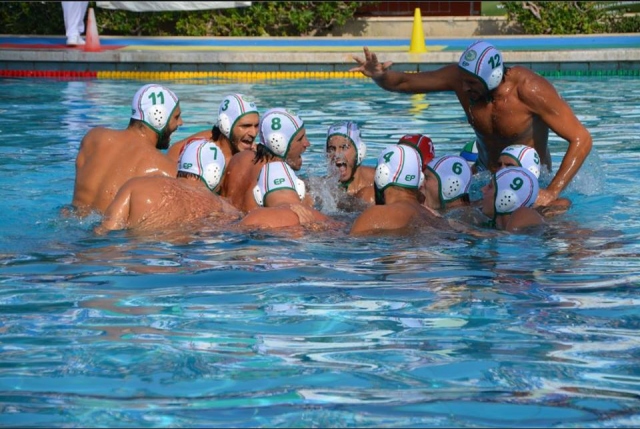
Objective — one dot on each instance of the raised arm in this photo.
(443, 79)
(543, 100)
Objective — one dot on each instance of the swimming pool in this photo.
(233, 330)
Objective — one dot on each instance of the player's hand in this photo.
(305, 214)
(545, 198)
(370, 66)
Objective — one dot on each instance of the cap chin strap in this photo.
(346, 184)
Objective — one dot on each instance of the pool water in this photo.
(260, 330)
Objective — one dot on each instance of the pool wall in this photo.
(277, 58)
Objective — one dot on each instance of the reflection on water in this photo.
(227, 329)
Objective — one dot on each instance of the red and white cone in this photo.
(92, 42)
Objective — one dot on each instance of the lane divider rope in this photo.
(253, 75)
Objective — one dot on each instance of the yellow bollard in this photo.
(417, 36)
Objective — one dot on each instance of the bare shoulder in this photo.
(368, 172)
(241, 165)
(367, 220)
(147, 182)
(240, 174)
(241, 159)
(98, 134)
(524, 217)
(530, 84)
(270, 217)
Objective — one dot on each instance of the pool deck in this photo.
(326, 54)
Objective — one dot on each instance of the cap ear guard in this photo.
(495, 77)
(506, 201)
(224, 123)
(362, 151)
(383, 176)
(451, 187)
(356, 139)
(301, 189)
(213, 174)
(257, 195)
(157, 116)
(278, 144)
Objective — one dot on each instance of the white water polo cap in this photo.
(485, 62)
(278, 128)
(525, 157)
(514, 187)
(154, 104)
(454, 176)
(204, 159)
(399, 165)
(351, 132)
(274, 176)
(232, 108)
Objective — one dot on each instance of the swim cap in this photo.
(423, 144)
(399, 165)
(525, 157)
(514, 187)
(232, 108)
(470, 152)
(454, 176)
(278, 127)
(274, 176)
(351, 132)
(154, 104)
(204, 159)
(484, 62)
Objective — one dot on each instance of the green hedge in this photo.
(300, 18)
(262, 18)
(570, 17)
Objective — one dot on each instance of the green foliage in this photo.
(569, 17)
(269, 18)
(262, 18)
(31, 18)
(623, 24)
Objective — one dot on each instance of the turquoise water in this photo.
(257, 330)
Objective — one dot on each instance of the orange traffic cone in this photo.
(92, 42)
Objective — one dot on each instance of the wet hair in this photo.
(187, 175)
(263, 154)
(216, 133)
